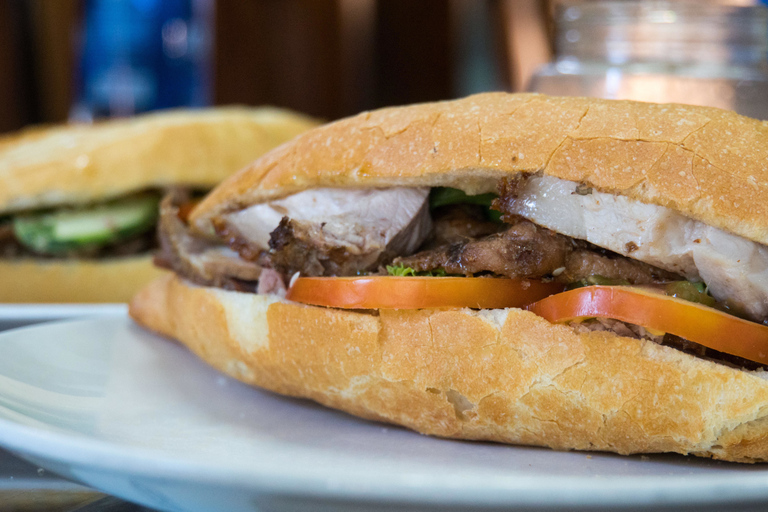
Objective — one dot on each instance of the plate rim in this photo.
(39, 312)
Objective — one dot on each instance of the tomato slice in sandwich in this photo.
(415, 292)
(694, 322)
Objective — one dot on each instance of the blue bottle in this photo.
(141, 55)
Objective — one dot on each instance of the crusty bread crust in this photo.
(497, 375)
(708, 164)
(84, 163)
(27, 280)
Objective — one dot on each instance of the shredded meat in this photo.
(586, 262)
(296, 248)
(509, 191)
(9, 246)
(670, 340)
(523, 250)
(6, 232)
(459, 223)
(199, 260)
(617, 327)
(530, 251)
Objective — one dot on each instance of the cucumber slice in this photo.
(67, 230)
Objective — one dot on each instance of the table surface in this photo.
(24, 486)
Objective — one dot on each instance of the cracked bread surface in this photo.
(497, 375)
(708, 164)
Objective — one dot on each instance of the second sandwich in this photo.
(78, 203)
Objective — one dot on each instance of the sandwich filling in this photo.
(537, 227)
(120, 227)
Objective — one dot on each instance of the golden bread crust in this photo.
(28, 280)
(498, 375)
(78, 164)
(708, 164)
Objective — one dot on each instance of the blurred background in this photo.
(80, 60)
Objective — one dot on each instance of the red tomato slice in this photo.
(694, 322)
(391, 292)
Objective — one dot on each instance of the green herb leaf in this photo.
(401, 270)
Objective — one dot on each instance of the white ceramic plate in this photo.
(19, 315)
(137, 416)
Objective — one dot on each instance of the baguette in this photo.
(504, 375)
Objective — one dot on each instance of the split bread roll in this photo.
(78, 165)
(494, 375)
(502, 375)
(705, 163)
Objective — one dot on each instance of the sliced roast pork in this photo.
(735, 269)
(330, 231)
(197, 259)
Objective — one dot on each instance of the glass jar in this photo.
(662, 51)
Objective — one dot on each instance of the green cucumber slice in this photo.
(66, 230)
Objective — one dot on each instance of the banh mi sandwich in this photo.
(78, 203)
(565, 272)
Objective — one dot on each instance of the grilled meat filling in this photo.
(329, 231)
(670, 340)
(522, 250)
(526, 250)
(201, 261)
(462, 240)
(301, 247)
(459, 223)
(734, 268)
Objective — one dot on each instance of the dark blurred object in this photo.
(413, 51)
(704, 53)
(140, 55)
(285, 53)
(52, 28)
(331, 58)
(17, 92)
